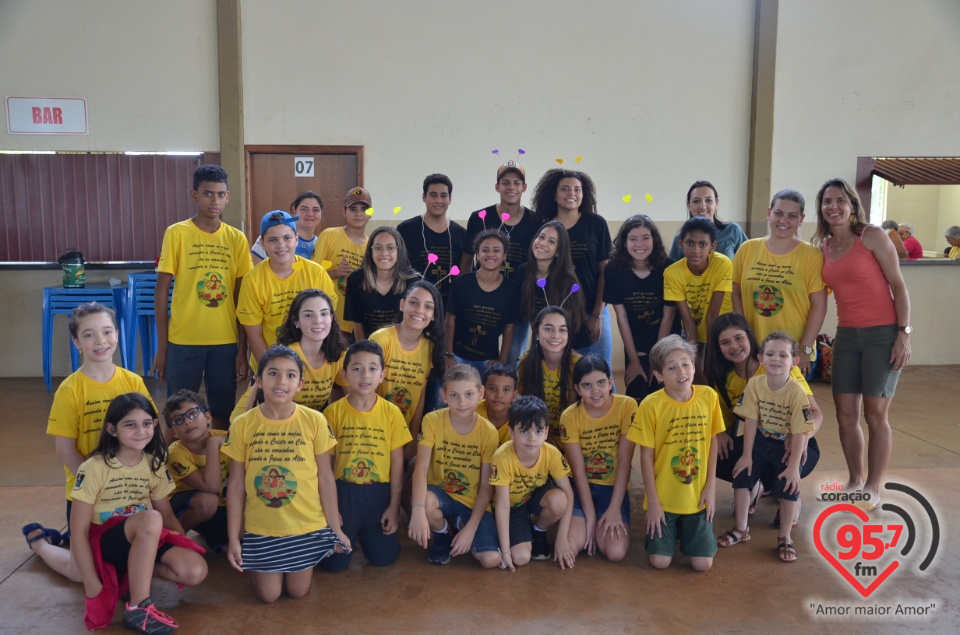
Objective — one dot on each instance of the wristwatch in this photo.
(906, 329)
(808, 350)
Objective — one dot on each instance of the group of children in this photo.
(517, 449)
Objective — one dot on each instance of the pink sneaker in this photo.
(147, 618)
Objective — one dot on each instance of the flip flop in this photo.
(868, 506)
(786, 551)
(50, 535)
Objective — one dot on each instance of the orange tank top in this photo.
(863, 296)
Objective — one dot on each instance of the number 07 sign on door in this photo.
(303, 166)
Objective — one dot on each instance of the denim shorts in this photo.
(861, 361)
(458, 514)
(601, 495)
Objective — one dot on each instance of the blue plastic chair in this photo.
(141, 316)
(61, 301)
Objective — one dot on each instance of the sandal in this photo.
(755, 498)
(796, 519)
(50, 535)
(734, 537)
(786, 550)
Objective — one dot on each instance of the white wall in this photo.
(148, 71)
(863, 78)
(653, 95)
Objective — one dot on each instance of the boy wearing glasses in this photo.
(198, 469)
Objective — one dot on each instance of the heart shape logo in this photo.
(832, 559)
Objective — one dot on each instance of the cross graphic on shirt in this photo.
(477, 331)
(507, 269)
(438, 272)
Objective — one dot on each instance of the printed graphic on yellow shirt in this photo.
(453, 482)
(178, 468)
(400, 397)
(275, 486)
(361, 471)
(123, 512)
(599, 465)
(686, 465)
(767, 300)
(211, 289)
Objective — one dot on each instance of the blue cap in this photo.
(278, 217)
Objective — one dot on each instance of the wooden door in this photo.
(277, 174)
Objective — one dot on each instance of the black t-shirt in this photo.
(369, 308)
(643, 301)
(481, 316)
(580, 339)
(521, 235)
(421, 241)
(590, 245)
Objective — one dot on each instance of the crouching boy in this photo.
(521, 471)
(452, 474)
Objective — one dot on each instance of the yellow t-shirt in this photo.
(679, 284)
(680, 435)
(317, 384)
(332, 245)
(778, 413)
(954, 253)
(522, 481)
(80, 404)
(206, 268)
(551, 392)
(503, 431)
(282, 484)
(116, 490)
(182, 463)
(599, 439)
(365, 440)
(775, 289)
(735, 385)
(265, 299)
(407, 371)
(456, 458)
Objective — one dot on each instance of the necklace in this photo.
(423, 234)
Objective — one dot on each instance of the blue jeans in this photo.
(215, 366)
(458, 514)
(520, 332)
(481, 366)
(604, 346)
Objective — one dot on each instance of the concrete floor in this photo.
(748, 590)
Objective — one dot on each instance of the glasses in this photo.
(189, 415)
(381, 248)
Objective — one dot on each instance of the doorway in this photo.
(276, 174)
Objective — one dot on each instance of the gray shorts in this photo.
(861, 361)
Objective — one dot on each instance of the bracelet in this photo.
(419, 505)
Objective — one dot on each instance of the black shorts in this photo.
(115, 548)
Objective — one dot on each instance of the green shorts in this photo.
(693, 531)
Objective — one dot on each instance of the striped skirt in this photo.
(286, 554)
